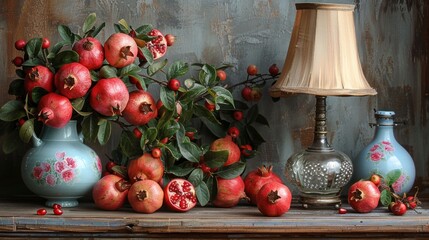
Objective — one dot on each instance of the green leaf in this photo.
(156, 67)
(202, 112)
(170, 128)
(33, 47)
(56, 49)
(262, 120)
(130, 145)
(38, 93)
(16, 87)
(97, 30)
(33, 62)
(12, 110)
(129, 69)
(104, 131)
(90, 128)
(252, 114)
(189, 150)
(215, 129)
(168, 98)
(64, 57)
(125, 25)
(182, 169)
(196, 177)
(223, 95)
(108, 71)
(231, 171)
(392, 176)
(173, 151)
(147, 55)
(207, 75)
(203, 193)
(150, 134)
(196, 91)
(215, 159)
(26, 131)
(385, 198)
(144, 29)
(177, 69)
(211, 183)
(139, 79)
(78, 104)
(66, 34)
(254, 136)
(89, 22)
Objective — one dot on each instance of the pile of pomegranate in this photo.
(165, 154)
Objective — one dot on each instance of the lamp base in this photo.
(320, 201)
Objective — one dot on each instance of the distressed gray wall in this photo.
(393, 45)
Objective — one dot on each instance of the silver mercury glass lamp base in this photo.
(319, 172)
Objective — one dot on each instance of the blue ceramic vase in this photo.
(384, 155)
(60, 167)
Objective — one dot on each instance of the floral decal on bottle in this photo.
(62, 169)
(380, 150)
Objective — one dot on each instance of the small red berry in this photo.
(376, 179)
(156, 153)
(45, 43)
(234, 132)
(246, 93)
(190, 135)
(399, 208)
(221, 74)
(56, 205)
(41, 212)
(170, 38)
(18, 61)
(342, 211)
(137, 133)
(20, 44)
(210, 106)
(252, 70)
(21, 122)
(246, 149)
(238, 115)
(164, 140)
(109, 166)
(174, 84)
(58, 211)
(274, 70)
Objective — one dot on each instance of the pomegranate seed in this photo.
(342, 211)
(41, 212)
(58, 211)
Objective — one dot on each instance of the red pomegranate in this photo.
(274, 199)
(39, 76)
(110, 192)
(227, 144)
(91, 52)
(363, 196)
(158, 45)
(257, 178)
(145, 196)
(145, 167)
(109, 96)
(73, 80)
(229, 192)
(141, 108)
(55, 110)
(120, 50)
(179, 195)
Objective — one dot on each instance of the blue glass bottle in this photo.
(384, 154)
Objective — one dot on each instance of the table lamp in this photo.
(322, 60)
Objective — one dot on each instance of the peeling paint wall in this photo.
(393, 40)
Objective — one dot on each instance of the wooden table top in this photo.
(19, 218)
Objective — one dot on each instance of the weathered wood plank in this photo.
(86, 219)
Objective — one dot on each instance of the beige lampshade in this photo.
(323, 58)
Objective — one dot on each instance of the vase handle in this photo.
(36, 141)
